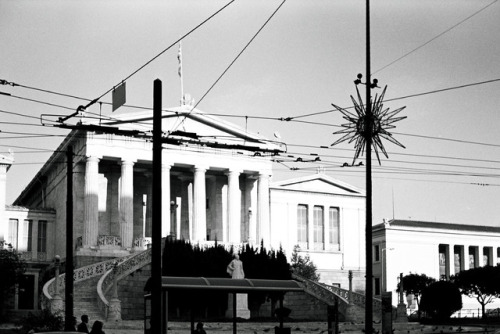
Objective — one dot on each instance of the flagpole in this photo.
(179, 58)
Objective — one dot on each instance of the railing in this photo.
(141, 242)
(328, 293)
(79, 274)
(109, 240)
(356, 298)
(119, 270)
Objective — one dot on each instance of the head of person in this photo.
(85, 318)
(199, 325)
(97, 326)
(236, 256)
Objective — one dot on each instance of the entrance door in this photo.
(26, 293)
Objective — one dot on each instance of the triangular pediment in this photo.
(194, 126)
(319, 183)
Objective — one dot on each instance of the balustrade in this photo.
(109, 240)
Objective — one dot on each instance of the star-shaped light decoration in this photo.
(360, 127)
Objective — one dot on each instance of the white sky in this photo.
(305, 59)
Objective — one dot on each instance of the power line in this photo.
(232, 62)
(152, 59)
(434, 38)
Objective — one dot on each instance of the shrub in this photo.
(43, 321)
(441, 299)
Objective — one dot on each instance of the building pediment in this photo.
(319, 183)
(187, 125)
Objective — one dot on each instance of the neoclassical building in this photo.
(216, 186)
(438, 250)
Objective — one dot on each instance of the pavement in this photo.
(137, 327)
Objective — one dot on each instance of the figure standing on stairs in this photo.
(83, 327)
(235, 268)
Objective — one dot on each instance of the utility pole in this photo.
(156, 272)
(368, 226)
(68, 293)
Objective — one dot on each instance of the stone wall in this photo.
(303, 306)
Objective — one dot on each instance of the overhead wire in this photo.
(154, 58)
(231, 64)
(435, 37)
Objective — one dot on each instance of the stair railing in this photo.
(120, 270)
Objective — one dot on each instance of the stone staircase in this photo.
(85, 300)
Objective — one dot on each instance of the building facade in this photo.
(438, 250)
(216, 187)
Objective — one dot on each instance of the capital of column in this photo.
(127, 162)
(92, 159)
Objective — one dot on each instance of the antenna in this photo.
(393, 203)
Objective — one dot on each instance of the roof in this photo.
(436, 225)
(227, 284)
(320, 183)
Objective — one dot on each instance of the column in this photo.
(199, 203)
(149, 206)
(466, 258)
(166, 227)
(225, 234)
(3, 192)
(252, 212)
(479, 256)
(263, 228)
(127, 203)
(326, 228)
(234, 206)
(91, 203)
(451, 260)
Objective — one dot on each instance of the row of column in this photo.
(199, 222)
(464, 256)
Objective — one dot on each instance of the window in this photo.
(487, 255)
(25, 240)
(13, 229)
(334, 228)
(377, 286)
(376, 253)
(302, 224)
(319, 227)
(442, 261)
(42, 236)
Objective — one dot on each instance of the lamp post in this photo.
(367, 127)
(56, 303)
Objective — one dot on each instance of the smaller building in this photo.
(438, 250)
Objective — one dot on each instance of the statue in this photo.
(235, 268)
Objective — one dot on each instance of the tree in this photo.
(415, 284)
(441, 299)
(480, 283)
(12, 267)
(303, 266)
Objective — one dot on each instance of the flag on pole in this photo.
(179, 57)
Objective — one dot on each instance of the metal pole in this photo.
(368, 227)
(69, 324)
(156, 304)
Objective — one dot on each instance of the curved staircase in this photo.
(94, 295)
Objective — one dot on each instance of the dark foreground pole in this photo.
(69, 323)
(368, 225)
(156, 300)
